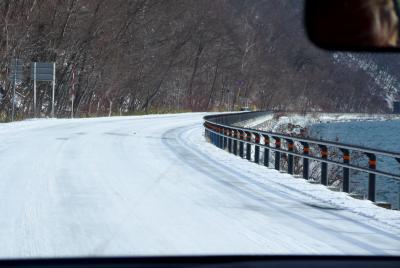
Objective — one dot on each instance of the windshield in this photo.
(129, 128)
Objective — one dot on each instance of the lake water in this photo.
(383, 135)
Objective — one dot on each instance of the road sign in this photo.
(44, 71)
(16, 72)
(16, 77)
(16, 64)
(240, 83)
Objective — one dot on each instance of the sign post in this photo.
(13, 98)
(44, 71)
(72, 92)
(54, 89)
(72, 106)
(34, 90)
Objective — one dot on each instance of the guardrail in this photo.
(239, 141)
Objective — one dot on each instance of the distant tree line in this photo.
(141, 56)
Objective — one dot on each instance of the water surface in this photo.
(384, 135)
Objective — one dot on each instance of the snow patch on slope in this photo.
(276, 124)
(383, 79)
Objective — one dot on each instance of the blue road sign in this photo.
(44, 71)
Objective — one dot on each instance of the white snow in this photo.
(255, 121)
(274, 124)
(389, 84)
(152, 185)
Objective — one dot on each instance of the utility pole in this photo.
(54, 89)
(73, 92)
(34, 90)
(13, 97)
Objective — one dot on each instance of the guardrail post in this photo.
(324, 166)
(248, 146)
(221, 138)
(277, 153)
(257, 148)
(212, 135)
(346, 171)
(371, 177)
(216, 138)
(266, 150)
(241, 144)
(290, 145)
(235, 144)
(225, 137)
(230, 140)
(306, 152)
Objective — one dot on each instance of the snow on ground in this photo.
(255, 121)
(310, 192)
(152, 185)
(275, 123)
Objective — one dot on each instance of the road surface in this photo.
(151, 185)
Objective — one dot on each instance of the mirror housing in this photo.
(353, 25)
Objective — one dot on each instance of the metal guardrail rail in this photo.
(238, 140)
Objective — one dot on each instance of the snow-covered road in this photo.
(151, 185)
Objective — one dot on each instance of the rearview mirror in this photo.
(353, 24)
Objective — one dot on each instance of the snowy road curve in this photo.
(151, 185)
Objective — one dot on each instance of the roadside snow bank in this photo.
(315, 195)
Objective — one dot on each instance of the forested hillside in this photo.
(183, 55)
